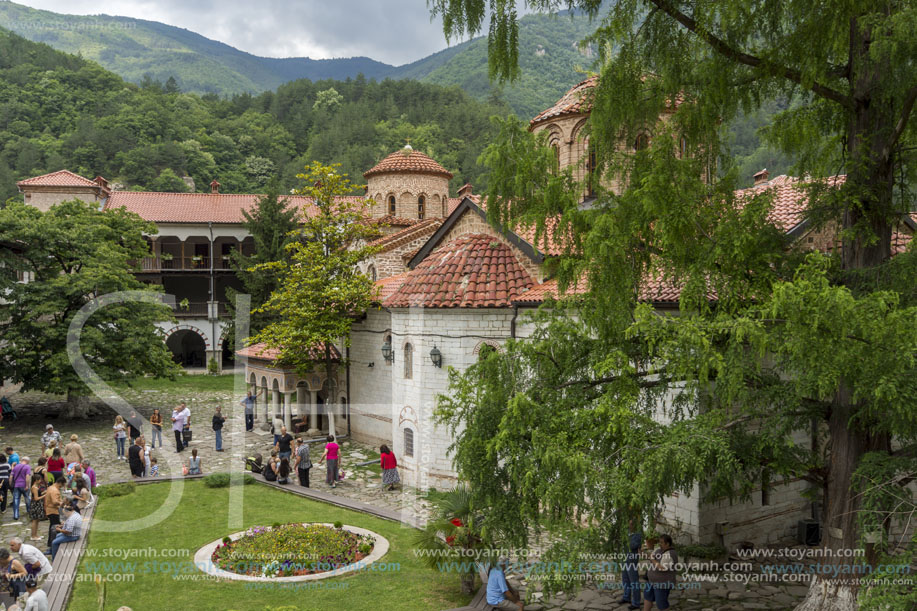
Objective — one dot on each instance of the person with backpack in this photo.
(19, 480)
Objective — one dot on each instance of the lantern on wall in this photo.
(387, 353)
(436, 356)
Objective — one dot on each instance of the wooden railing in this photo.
(186, 264)
(197, 309)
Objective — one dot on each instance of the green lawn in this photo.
(185, 382)
(202, 517)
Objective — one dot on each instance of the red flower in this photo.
(457, 522)
(449, 540)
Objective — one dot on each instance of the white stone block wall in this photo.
(370, 387)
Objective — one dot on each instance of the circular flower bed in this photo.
(291, 550)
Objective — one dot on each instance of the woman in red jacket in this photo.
(389, 468)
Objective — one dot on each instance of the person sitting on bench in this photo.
(500, 595)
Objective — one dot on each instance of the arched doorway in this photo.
(229, 357)
(188, 348)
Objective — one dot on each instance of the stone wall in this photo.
(457, 334)
(371, 380)
(407, 188)
(392, 262)
(46, 197)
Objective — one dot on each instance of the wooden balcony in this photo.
(183, 264)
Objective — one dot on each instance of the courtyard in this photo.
(140, 566)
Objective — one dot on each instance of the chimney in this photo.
(465, 190)
(215, 187)
(101, 182)
(761, 177)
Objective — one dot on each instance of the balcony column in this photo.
(265, 403)
(313, 414)
(289, 398)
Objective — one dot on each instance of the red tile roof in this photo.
(395, 221)
(388, 286)
(550, 241)
(61, 178)
(410, 161)
(195, 207)
(405, 236)
(790, 198)
(263, 353)
(577, 100)
(472, 271)
(549, 288)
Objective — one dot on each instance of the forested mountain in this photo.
(135, 48)
(62, 111)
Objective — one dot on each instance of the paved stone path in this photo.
(361, 484)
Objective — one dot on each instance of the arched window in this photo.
(591, 178)
(371, 272)
(421, 204)
(408, 361)
(683, 147)
(642, 142)
(556, 147)
(391, 205)
(408, 442)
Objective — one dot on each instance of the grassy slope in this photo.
(202, 517)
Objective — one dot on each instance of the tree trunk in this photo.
(870, 184)
(332, 389)
(77, 406)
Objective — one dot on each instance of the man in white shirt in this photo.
(38, 600)
(35, 562)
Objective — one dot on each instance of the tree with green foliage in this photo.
(70, 255)
(320, 291)
(567, 425)
(271, 223)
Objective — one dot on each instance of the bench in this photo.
(59, 583)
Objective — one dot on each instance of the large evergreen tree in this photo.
(824, 343)
(70, 255)
(271, 224)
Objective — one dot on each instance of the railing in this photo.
(186, 264)
(197, 309)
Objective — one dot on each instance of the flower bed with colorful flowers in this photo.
(291, 549)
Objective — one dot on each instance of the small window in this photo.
(408, 442)
(683, 147)
(371, 272)
(642, 142)
(555, 146)
(421, 203)
(590, 173)
(391, 205)
(408, 361)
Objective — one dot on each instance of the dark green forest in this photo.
(61, 111)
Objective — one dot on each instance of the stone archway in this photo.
(188, 347)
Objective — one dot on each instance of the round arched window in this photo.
(391, 205)
(421, 204)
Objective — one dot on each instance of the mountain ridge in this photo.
(138, 48)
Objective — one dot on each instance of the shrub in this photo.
(226, 540)
(113, 490)
(213, 368)
(339, 525)
(704, 552)
(222, 480)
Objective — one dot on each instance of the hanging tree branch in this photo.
(724, 49)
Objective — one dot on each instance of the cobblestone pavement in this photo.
(361, 483)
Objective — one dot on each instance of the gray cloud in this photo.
(392, 31)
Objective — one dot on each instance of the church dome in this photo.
(408, 161)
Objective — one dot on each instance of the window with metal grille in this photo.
(408, 442)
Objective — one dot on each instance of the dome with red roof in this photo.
(408, 161)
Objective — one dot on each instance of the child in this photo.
(154, 468)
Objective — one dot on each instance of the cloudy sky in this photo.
(392, 31)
